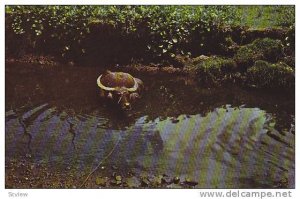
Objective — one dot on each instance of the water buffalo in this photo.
(120, 87)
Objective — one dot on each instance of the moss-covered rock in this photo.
(260, 49)
(267, 75)
(212, 69)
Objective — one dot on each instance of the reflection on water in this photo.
(175, 129)
(219, 149)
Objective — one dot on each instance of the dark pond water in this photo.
(225, 137)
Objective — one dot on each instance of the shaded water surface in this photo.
(220, 137)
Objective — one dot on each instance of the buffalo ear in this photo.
(134, 96)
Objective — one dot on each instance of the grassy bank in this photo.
(108, 35)
(267, 16)
(141, 32)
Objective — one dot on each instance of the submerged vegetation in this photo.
(234, 37)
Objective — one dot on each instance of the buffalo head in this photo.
(120, 87)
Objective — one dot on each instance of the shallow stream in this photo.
(225, 137)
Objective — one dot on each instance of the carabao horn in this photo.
(102, 86)
(135, 87)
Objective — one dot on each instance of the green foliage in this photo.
(164, 28)
(266, 75)
(212, 69)
(285, 15)
(158, 31)
(260, 49)
(173, 27)
(66, 25)
(267, 16)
